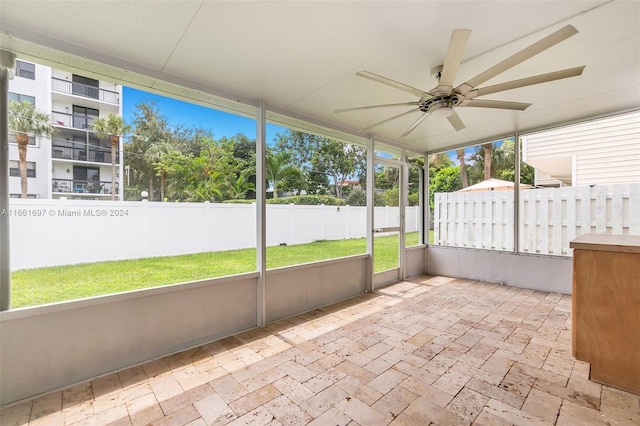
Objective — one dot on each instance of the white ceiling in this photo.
(301, 57)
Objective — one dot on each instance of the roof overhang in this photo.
(301, 58)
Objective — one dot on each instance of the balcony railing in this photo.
(96, 154)
(78, 186)
(86, 91)
(77, 121)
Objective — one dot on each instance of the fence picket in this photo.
(475, 238)
(543, 221)
(617, 215)
(556, 223)
(437, 205)
(497, 223)
(599, 194)
(585, 210)
(533, 224)
(570, 219)
(507, 218)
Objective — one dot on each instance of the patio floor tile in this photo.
(426, 350)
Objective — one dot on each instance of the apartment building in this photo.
(75, 163)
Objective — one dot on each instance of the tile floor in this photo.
(431, 350)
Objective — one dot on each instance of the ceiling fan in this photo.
(442, 100)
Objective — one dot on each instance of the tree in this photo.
(162, 156)
(111, 126)
(463, 167)
(338, 160)
(488, 148)
(150, 128)
(241, 187)
(503, 164)
(490, 160)
(278, 168)
(438, 159)
(447, 179)
(25, 120)
(317, 155)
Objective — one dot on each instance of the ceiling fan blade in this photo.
(458, 43)
(523, 82)
(455, 121)
(384, 80)
(390, 119)
(526, 53)
(481, 103)
(416, 123)
(375, 106)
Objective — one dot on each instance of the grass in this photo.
(54, 284)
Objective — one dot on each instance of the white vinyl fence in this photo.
(550, 218)
(63, 232)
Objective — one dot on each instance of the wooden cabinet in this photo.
(606, 308)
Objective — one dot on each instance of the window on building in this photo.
(83, 117)
(25, 69)
(14, 169)
(12, 139)
(84, 86)
(18, 97)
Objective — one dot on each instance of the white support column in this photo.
(370, 210)
(7, 63)
(516, 194)
(426, 210)
(261, 211)
(402, 207)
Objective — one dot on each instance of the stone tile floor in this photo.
(431, 350)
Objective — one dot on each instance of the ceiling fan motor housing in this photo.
(433, 104)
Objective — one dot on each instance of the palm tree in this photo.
(488, 152)
(240, 187)
(112, 126)
(463, 167)
(438, 159)
(25, 120)
(278, 168)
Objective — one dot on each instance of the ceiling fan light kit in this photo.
(441, 101)
(442, 110)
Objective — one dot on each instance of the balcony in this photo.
(75, 121)
(96, 154)
(78, 186)
(85, 91)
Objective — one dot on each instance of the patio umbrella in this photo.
(494, 185)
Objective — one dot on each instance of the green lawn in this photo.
(54, 284)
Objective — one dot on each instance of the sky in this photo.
(191, 115)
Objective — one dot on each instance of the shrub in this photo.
(309, 200)
(240, 201)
